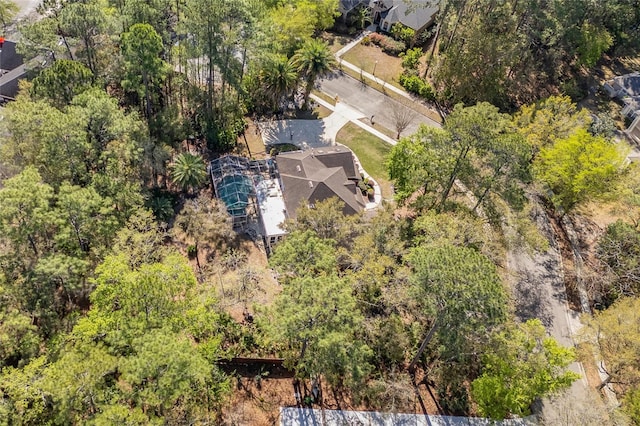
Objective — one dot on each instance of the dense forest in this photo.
(112, 248)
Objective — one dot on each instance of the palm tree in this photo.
(279, 77)
(189, 171)
(313, 60)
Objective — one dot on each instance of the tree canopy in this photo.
(580, 167)
(521, 364)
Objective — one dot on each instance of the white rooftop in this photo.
(293, 416)
(271, 204)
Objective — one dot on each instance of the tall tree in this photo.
(8, 11)
(189, 171)
(520, 365)
(85, 21)
(206, 223)
(302, 253)
(317, 319)
(19, 341)
(142, 48)
(25, 216)
(619, 249)
(167, 371)
(23, 399)
(402, 117)
(61, 82)
(556, 117)
(46, 138)
(41, 38)
(616, 335)
(280, 78)
(327, 220)
(87, 221)
(216, 29)
(477, 146)
(421, 162)
(313, 60)
(460, 291)
(579, 167)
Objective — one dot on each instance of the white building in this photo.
(272, 210)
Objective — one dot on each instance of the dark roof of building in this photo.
(629, 82)
(316, 175)
(12, 69)
(346, 6)
(414, 15)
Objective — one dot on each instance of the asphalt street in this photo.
(26, 6)
(537, 282)
(369, 101)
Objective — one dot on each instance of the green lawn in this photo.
(373, 60)
(371, 151)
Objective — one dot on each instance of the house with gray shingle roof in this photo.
(626, 88)
(317, 175)
(346, 6)
(417, 15)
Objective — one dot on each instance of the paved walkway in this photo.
(317, 133)
(343, 113)
(314, 134)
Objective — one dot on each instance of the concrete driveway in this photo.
(369, 101)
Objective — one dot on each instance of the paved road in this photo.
(537, 282)
(26, 7)
(369, 101)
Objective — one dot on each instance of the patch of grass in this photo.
(378, 127)
(371, 58)
(372, 153)
(322, 112)
(328, 99)
(281, 147)
(335, 41)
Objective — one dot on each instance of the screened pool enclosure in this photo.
(234, 179)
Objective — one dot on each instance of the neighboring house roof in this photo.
(317, 175)
(413, 15)
(627, 89)
(346, 6)
(12, 69)
(630, 83)
(294, 416)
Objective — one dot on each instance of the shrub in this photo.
(414, 84)
(411, 58)
(192, 251)
(387, 44)
(366, 186)
(403, 33)
(392, 46)
(424, 36)
(366, 41)
(375, 38)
